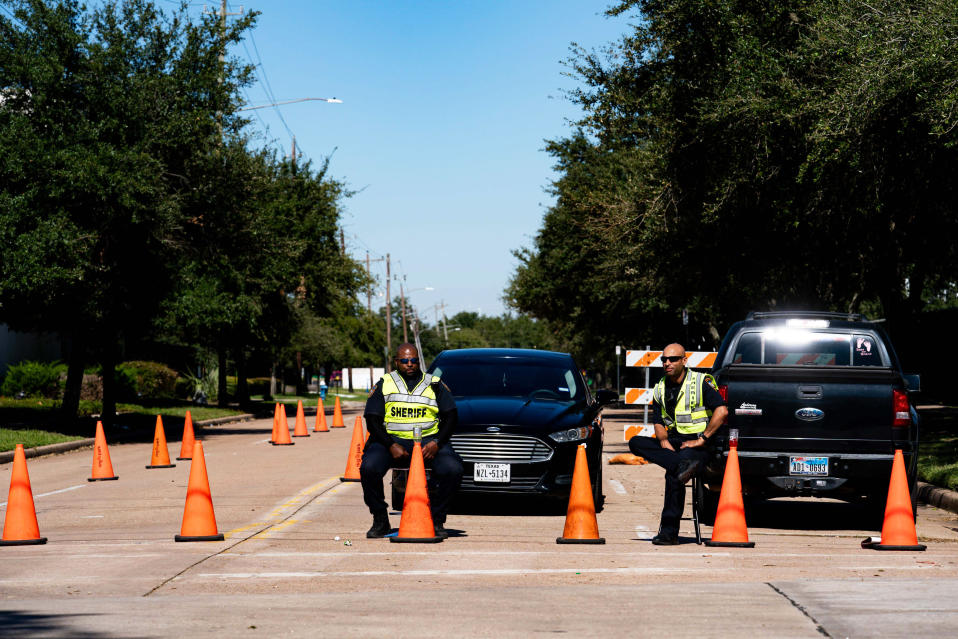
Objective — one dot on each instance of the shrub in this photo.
(258, 385)
(151, 380)
(35, 379)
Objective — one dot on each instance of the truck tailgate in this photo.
(815, 408)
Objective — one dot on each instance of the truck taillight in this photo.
(723, 391)
(900, 407)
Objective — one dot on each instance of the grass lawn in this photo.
(938, 451)
(9, 438)
(31, 417)
(310, 400)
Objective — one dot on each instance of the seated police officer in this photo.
(403, 400)
(687, 409)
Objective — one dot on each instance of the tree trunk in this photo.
(222, 393)
(108, 363)
(242, 386)
(74, 384)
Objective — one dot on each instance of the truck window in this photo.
(801, 347)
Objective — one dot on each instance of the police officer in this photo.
(401, 401)
(687, 409)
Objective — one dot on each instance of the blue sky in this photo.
(446, 106)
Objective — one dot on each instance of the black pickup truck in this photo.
(819, 402)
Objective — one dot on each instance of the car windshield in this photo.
(799, 347)
(511, 377)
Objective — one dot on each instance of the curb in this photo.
(49, 449)
(938, 497)
(63, 447)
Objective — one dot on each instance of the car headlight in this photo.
(572, 435)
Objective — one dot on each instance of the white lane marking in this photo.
(617, 486)
(261, 441)
(422, 573)
(53, 492)
(475, 553)
(643, 532)
(92, 517)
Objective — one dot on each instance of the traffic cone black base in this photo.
(24, 542)
(218, 537)
(283, 443)
(874, 543)
(300, 435)
(415, 540)
(102, 478)
(163, 466)
(563, 540)
(348, 479)
(730, 544)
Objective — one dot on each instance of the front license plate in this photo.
(808, 466)
(497, 473)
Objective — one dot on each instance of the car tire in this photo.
(598, 498)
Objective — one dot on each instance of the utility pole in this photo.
(441, 306)
(445, 329)
(293, 156)
(369, 291)
(402, 298)
(389, 322)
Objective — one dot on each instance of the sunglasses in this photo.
(409, 360)
(671, 358)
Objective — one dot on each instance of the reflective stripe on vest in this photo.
(691, 415)
(405, 409)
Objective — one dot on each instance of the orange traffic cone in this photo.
(898, 530)
(102, 466)
(581, 526)
(281, 427)
(338, 415)
(730, 528)
(161, 454)
(416, 525)
(272, 438)
(300, 430)
(321, 426)
(355, 456)
(199, 522)
(20, 526)
(186, 448)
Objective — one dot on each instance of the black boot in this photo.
(380, 527)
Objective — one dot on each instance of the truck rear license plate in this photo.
(808, 466)
(496, 473)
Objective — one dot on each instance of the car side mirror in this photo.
(605, 396)
(913, 382)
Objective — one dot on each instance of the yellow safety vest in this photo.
(407, 409)
(691, 415)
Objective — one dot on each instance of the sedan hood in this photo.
(514, 411)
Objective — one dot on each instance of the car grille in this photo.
(518, 484)
(500, 447)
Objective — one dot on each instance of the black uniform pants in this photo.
(650, 449)
(446, 474)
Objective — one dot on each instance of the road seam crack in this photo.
(266, 527)
(819, 627)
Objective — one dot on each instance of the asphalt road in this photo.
(296, 562)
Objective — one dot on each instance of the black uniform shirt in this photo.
(375, 411)
(711, 398)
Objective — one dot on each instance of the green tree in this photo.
(104, 115)
(742, 155)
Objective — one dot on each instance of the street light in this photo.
(272, 104)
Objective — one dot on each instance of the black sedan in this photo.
(522, 414)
